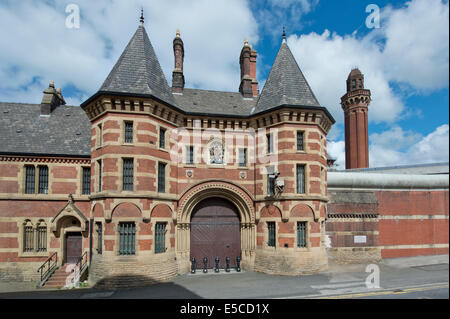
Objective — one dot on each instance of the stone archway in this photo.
(241, 200)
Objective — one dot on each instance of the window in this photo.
(127, 174)
(99, 165)
(189, 154)
(353, 84)
(28, 240)
(30, 175)
(271, 229)
(100, 136)
(161, 177)
(86, 182)
(43, 180)
(301, 234)
(160, 238)
(127, 233)
(128, 132)
(99, 231)
(269, 143)
(270, 181)
(162, 138)
(243, 157)
(42, 238)
(300, 179)
(300, 146)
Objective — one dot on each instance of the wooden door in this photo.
(215, 232)
(74, 247)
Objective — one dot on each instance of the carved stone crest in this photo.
(216, 152)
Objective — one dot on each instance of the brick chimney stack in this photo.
(51, 99)
(355, 104)
(249, 85)
(177, 74)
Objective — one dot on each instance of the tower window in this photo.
(127, 233)
(161, 177)
(162, 138)
(300, 146)
(127, 174)
(190, 154)
(160, 238)
(128, 132)
(243, 157)
(301, 234)
(300, 179)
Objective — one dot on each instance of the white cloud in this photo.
(411, 48)
(40, 48)
(336, 150)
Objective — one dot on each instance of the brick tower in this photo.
(355, 105)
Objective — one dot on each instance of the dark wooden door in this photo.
(73, 247)
(215, 232)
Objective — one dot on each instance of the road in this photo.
(340, 282)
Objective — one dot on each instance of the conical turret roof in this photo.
(285, 85)
(138, 71)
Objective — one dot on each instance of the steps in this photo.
(58, 279)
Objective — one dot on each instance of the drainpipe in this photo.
(91, 223)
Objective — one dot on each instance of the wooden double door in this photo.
(215, 232)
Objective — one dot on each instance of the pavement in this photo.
(425, 277)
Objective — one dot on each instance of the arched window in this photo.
(28, 238)
(41, 236)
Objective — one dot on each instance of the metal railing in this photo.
(82, 263)
(48, 267)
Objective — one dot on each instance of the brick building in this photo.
(143, 177)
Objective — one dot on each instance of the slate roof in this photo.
(138, 71)
(285, 85)
(66, 132)
(214, 102)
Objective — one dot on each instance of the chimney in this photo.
(51, 99)
(249, 86)
(177, 74)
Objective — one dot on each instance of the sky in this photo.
(401, 47)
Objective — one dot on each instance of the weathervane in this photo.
(142, 16)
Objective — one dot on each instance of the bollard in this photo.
(194, 265)
(227, 269)
(216, 268)
(238, 264)
(205, 265)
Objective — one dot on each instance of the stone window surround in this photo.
(35, 223)
(117, 221)
(121, 173)
(122, 130)
(169, 226)
(82, 179)
(36, 180)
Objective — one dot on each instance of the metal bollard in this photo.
(216, 267)
(238, 264)
(194, 265)
(205, 265)
(227, 269)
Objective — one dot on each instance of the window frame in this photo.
(127, 238)
(127, 139)
(127, 180)
(162, 166)
(160, 237)
(271, 234)
(298, 186)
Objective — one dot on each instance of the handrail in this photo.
(80, 264)
(50, 266)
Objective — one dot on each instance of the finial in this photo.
(245, 42)
(284, 34)
(142, 16)
(178, 33)
(51, 84)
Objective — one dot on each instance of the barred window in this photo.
(189, 154)
(30, 175)
(127, 174)
(301, 234)
(161, 177)
(42, 238)
(270, 181)
(28, 237)
(271, 229)
(43, 180)
(300, 146)
(86, 181)
(100, 135)
(127, 234)
(99, 165)
(300, 179)
(160, 238)
(128, 132)
(243, 157)
(269, 143)
(99, 231)
(162, 138)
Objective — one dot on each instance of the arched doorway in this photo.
(215, 232)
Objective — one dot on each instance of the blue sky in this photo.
(405, 61)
